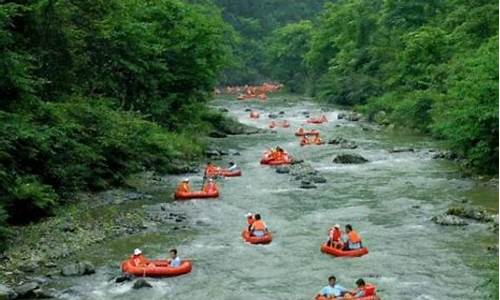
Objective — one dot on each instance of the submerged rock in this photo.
(123, 278)
(399, 150)
(141, 283)
(449, 220)
(282, 170)
(353, 117)
(307, 185)
(349, 159)
(273, 116)
(445, 155)
(318, 179)
(341, 116)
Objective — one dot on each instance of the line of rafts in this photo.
(257, 233)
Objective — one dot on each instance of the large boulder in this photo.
(349, 159)
(7, 293)
(341, 116)
(78, 269)
(353, 117)
(307, 185)
(141, 283)
(27, 290)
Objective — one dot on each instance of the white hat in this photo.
(185, 179)
(137, 251)
(336, 226)
(248, 215)
(210, 179)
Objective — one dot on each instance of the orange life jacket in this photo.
(210, 170)
(139, 260)
(353, 237)
(210, 187)
(258, 225)
(335, 235)
(183, 188)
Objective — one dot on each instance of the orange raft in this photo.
(346, 253)
(266, 239)
(305, 132)
(268, 159)
(321, 120)
(196, 195)
(224, 173)
(275, 124)
(369, 291)
(157, 268)
(311, 142)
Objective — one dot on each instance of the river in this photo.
(389, 201)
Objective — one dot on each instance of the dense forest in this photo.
(431, 66)
(93, 91)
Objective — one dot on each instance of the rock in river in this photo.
(78, 269)
(282, 170)
(141, 283)
(449, 220)
(27, 290)
(349, 159)
(7, 293)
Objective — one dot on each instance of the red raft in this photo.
(196, 195)
(346, 253)
(305, 132)
(225, 173)
(321, 120)
(157, 268)
(266, 239)
(267, 159)
(370, 292)
(275, 124)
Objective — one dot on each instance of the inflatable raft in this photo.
(157, 268)
(305, 132)
(266, 239)
(196, 195)
(309, 142)
(321, 120)
(346, 253)
(225, 173)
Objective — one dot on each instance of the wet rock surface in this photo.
(141, 283)
(349, 159)
(342, 143)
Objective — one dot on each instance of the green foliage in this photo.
(255, 22)
(427, 65)
(85, 86)
(287, 47)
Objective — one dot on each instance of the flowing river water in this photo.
(389, 201)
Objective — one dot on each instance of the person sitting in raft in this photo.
(184, 186)
(258, 227)
(335, 236)
(250, 220)
(353, 240)
(233, 167)
(138, 259)
(332, 290)
(304, 140)
(210, 186)
(361, 291)
(210, 169)
(301, 131)
(174, 260)
(317, 139)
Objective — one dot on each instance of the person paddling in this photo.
(258, 227)
(353, 240)
(233, 167)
